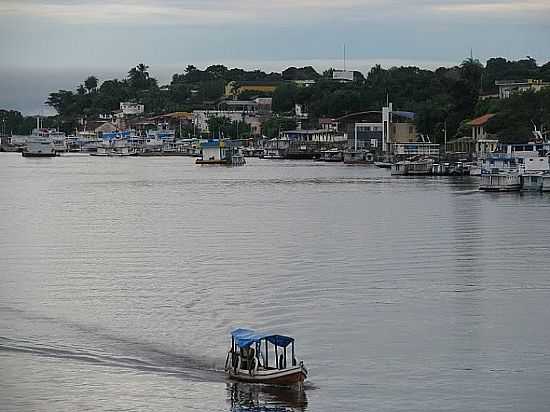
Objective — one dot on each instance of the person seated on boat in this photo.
(244, 358)
(247, 357)
(251, 361)
(282, 363)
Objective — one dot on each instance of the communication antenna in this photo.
(344, 56)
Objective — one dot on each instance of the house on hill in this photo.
(508, 87)
(234, 88)
(479, 142)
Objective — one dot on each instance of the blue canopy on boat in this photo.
(246, 337)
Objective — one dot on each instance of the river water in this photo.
(122, 277)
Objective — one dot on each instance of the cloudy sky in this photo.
(47, 45)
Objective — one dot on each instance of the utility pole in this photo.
(445, 135)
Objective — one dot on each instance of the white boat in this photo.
(39, 146)
(532, 181)
(44, 142)
(101, 151)
(500, 181)
(332, 155)
(59, 140)
(383, 165)
(220, 152)
(412, 168)
(358, 157)
(248, 359)
(474, 170)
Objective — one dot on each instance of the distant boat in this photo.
(220, 152)
(412, 168)
(39, 146)
(383, 165)
(500, 181)
(358, 157)
(248, 359)
(332, 155)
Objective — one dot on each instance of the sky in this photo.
(56, 44)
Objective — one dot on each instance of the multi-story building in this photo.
(508, 87)
(201, 117)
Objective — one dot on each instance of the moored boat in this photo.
(220, 152)
(248, 359)
(500, 181)
(358, 157)
(39, 146)
(412, 168)
(383, 165)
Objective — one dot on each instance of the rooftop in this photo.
(481, 120)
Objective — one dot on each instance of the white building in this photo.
(508, 87)
(131, 108)
(342, 76)
(415, 149)
(200, 119)
(319, 135)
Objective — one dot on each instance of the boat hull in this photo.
(285, 377)
(383, 165)
(500, 183)
(30, 154)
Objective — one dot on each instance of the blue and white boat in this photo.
(248, 359)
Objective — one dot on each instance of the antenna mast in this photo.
(344, 56)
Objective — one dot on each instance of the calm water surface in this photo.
(121, 279)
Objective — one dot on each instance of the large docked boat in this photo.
(500, 181)
(358, 157)
(421, 167)
(39, 146)
(220, 152)
(44, 142)
(248, 359)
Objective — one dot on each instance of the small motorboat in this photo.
(248, 359)
(383, 165)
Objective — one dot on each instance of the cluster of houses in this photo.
(386, 136)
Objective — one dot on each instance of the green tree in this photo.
(284, 97)
(139, 78)
(517, 115)
(219, 127)
(91, 83)
(272, 127)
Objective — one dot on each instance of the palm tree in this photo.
(139, 76)
(91, 83)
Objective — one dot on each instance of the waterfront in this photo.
(121, 279)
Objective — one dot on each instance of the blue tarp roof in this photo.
(407, 115)
(114, 135)
(246, 337)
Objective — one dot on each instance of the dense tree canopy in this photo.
(517, 116)
(223, 127)
(446, 96)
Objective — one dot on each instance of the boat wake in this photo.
(171, 364)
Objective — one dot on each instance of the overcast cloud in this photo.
(104, 37)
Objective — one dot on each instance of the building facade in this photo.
(508, 87)
(201, 117)
(131, 108)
